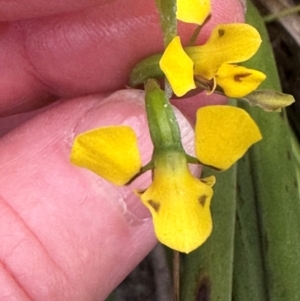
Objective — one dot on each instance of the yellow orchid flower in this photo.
(193, 11)
(179, 204)
(228, 44)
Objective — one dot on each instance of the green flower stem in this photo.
(149, 68)
(167, 12)
(164, 129)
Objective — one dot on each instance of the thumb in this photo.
(67, 234)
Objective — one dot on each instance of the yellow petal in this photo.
(193, 11)
(178, 68)
(111, 152)
(223, 135)
(238, 81)
(180, 207)
(228, 43)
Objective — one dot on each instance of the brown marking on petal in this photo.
(154, 205)
(204, 289)
(238, 77)
(221, 32)
(202, 200)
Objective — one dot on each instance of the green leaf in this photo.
(296, 156)
(207, 272)
(248, 271)
(275, 186)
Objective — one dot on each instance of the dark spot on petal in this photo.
(202, 200)
(203, 293)
(238, 77)
(221, 32)
(154, 205)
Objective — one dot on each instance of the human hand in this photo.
(66, 234)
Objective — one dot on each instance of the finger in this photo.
(18, 9)
(9, 123)
(85, 52)
(66, 234)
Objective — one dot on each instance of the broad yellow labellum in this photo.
(179, 204)
(223, 134)
(193, 11)
(111, 152)
(178, 68)
(238, 81)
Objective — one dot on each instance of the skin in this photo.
(65, 233)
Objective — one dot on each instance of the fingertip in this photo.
(17, 10)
